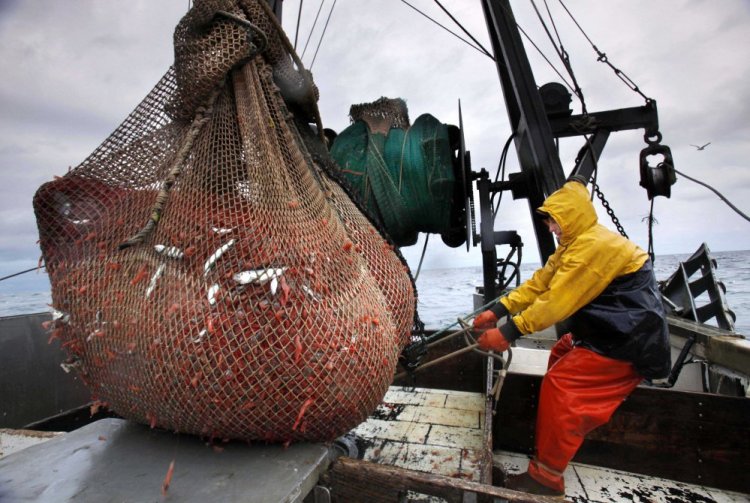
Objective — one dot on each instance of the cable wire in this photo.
(500, 168)
(322, 34)
(651, 221)
(465, 30)
(561, 53)
(315, 22)
(450, 31)
(424, 249)
(554, 25)
(21, 272)
(602, 57)
(729, 203)
(523, 32)
(299, 17)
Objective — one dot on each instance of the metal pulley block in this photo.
(657, 180)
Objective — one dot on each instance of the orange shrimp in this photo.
(167, 479)
(56, 333)
(302, 411)
(94, 408)
(297, 349)
(140, 275)
(284, 291)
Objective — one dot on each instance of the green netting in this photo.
(405, 178)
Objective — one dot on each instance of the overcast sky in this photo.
(73, 70)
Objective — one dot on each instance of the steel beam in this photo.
(534, 142)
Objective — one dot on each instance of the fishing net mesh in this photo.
(209, 273)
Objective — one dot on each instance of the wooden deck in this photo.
(592, 484)
(427, 430)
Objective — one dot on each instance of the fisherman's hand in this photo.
(485, 320)
(488, 319)
(493, 340)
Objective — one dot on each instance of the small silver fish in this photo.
(154, 279)
(169, 251)
(60, 316)
(212, 291)
(311, 293)
(259, 276)
(73, 364)
(215, 256)
(200, 337)
(221, 230)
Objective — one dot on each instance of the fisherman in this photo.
(604, 286)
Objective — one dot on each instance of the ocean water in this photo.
(446, 294)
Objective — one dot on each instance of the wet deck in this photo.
(592, 484)
(427, 430)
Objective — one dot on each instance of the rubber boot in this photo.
(526, 483)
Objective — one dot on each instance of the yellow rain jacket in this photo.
(599, 279)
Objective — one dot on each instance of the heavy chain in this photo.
(609, 209)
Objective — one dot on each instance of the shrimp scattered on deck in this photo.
(167, 479)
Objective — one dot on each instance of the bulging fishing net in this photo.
(209, 273)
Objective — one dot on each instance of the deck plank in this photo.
(592, 484)
(428, 430)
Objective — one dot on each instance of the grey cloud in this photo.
(67, 88)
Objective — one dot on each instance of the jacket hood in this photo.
(571, 208)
